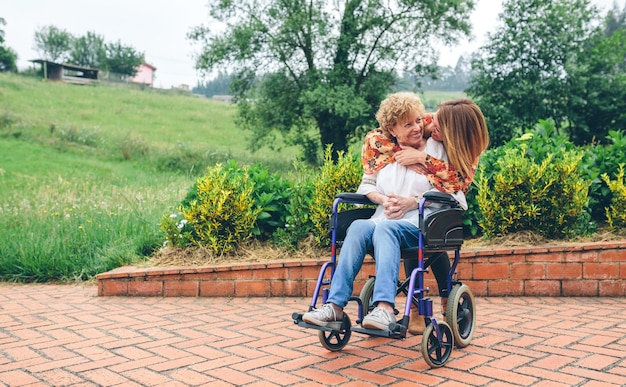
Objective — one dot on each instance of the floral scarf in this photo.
(378, 149)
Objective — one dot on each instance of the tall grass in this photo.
(69, 217)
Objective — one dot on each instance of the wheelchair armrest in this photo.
(348, 197)
(440, 197)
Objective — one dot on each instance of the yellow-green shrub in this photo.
(616, 212)
(547, 197)
(219, 211)
(344, 175)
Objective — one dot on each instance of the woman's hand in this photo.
(377, 197)
(397, 206)
(410, 156)
(418, 168)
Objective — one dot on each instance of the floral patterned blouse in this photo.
(378, 149)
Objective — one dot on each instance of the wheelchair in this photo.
(440, 231)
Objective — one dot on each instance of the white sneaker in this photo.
(379, 319)
(324, 316)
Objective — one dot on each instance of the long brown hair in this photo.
(464, 133)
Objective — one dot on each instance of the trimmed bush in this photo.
(298, 223)
(603, 159)
(616, 212)
(271, 194)
(532, 187)
(344, 175)
(219, 212)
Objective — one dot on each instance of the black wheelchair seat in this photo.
(443, 229)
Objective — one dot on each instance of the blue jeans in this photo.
(386, 238)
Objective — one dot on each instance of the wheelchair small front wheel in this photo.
(336, 340)
(461, 314)
(436, 353)
(367, 293)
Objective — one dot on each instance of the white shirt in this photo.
(397, 179)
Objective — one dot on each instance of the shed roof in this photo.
(65, 65)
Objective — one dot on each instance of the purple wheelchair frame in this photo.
(416, 290)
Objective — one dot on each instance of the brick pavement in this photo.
(65, 335)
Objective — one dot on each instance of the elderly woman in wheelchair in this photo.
(415, 168)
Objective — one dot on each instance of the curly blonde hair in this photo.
(397, 107)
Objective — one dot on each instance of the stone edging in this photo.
(594, 269)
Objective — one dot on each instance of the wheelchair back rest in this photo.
(345, 219)
(443, 228)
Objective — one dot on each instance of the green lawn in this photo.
(111, 115)
(87, 172)
(81, 190)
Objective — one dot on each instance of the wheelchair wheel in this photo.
(366, 296)
(335, 340)
(461, 314)
(436, 353)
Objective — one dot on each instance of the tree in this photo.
(8, 57)
(121, 59)
(615, 20)
(89, 50)
(522, 76)
(220, 85)
(316, 70)
(53, 43)
(597, 79)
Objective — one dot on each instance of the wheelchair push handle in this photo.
(440, 197)
(349, 197)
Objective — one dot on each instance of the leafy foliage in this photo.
(533, 184)
(603, 159)
(271, 195)
(219, 212)
(53, 43)
(597, 104)
(89, 50)
(8, 57)
(471, 226)
(299, 222)
(616, 212)
(218, 86)
(122, 59)
(549, 61)
(299, 65)
(335, 177)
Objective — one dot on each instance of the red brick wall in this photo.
(596, 269)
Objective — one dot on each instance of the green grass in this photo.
(432, 99)
(112, 115)
(68, 217)
(87, 172)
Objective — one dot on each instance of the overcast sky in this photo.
(159, 29)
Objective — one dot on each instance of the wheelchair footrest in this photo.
(397, 330)
(375, 332)
(297, 319)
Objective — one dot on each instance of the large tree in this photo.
(597, 83)
(53, 43)
(8, 57)
(122, 59)
(89, 50)
(550, 60)
(318, 69)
